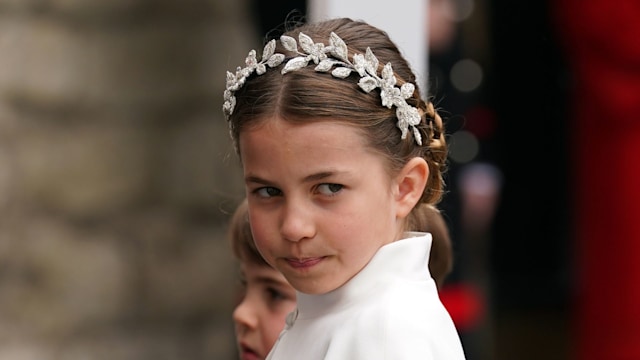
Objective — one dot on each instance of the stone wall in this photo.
(117, 178)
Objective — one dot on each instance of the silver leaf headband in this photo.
(365, 65)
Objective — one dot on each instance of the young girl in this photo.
(340, 155)
(267, 299)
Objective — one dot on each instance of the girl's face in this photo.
(260, 316)
(320, 201)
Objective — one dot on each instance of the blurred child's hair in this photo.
(241, 238)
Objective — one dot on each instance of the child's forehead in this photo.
(298, 150)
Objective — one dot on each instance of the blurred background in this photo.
(117, 176)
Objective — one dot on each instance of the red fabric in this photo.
(602, 43)
(465, 304)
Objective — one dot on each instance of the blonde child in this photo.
(340, 155)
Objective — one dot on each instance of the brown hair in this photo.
(428, 218)
(307, 95)
(242, 243)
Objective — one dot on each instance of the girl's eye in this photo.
(329, 189)
(275, 295)
(267, 192)
(242, 279)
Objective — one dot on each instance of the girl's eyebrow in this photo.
(319, 176)
(256, 179)
(309, 178)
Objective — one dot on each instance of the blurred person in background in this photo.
(267, 297)
(601, 42)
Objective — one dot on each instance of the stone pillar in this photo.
(117, 178)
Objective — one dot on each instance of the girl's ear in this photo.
(410, 183)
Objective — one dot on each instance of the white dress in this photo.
(390, 310)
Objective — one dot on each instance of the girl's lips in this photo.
(303, 263)
(246, 353)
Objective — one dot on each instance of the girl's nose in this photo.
(244, 315)
(297, 222)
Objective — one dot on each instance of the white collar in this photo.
(404, 258)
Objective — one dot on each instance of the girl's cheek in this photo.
(265, 248)
(261, 237)
(259, 228)
(258, 239)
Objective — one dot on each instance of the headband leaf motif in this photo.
(325, 58)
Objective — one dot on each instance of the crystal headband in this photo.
(365, 65)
